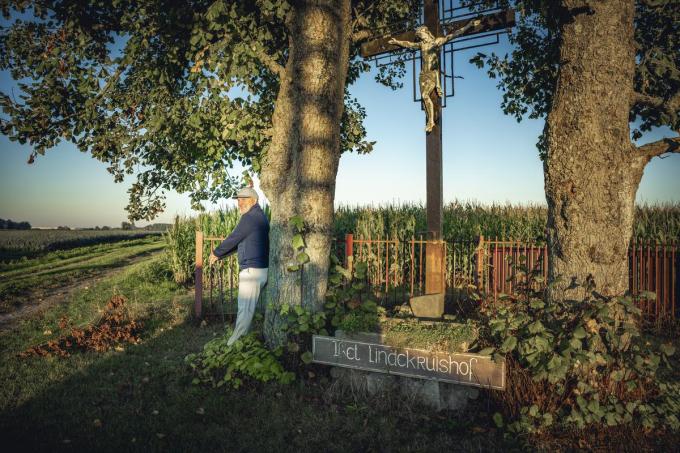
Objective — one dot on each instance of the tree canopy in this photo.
(528, 75)
(174, 92)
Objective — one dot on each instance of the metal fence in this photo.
(396, 271)
(219, 280)
(497, 267)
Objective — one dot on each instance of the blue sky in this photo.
(487, 157)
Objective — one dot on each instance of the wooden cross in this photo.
(435, 255)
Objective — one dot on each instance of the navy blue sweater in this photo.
(250, 238)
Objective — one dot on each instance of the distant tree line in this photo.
(12, 225)
(150, 227)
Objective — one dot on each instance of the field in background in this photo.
(465, 221)
(31, 280)
(16, 244)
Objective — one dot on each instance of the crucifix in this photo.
(434, 35)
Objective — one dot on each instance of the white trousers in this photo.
(250, 283)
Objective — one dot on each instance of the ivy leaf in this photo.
(487, 351)
(668, 349)
(297, 223)
(341, 270)
(579, 333)
(509, 344)
(307, 357)
(298, 242)
(302, 258)
(498, 419)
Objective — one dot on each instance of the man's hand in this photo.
(393, 41)
(213, 259)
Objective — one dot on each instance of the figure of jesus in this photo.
(429, 80)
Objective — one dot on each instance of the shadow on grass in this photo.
(143, 399)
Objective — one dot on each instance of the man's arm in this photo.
(405, 44)
(229, 245)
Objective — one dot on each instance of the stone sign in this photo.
(465, 369)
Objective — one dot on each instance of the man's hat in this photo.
(246, 192)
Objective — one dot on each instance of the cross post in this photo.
(435, 263)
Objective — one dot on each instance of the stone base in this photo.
(428, 306)
(433, 394)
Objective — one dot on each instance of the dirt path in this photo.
(55, 296)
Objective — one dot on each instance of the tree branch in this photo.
(269, 61)
(672, 105)
(657, 148)
(266, 59)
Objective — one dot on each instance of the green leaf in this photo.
(579, 332)
(547, 419)
(344, 272)
(509, 344)
(611, 419)
(297, 242)
(581, 402)
(668, 349)
(293, 268)
(536, 303)
(297, 223)
(302, 258)
(536, 327)
(487, 351)
(498, 419)
(307, 357)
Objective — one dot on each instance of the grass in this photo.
(433, 336)
(30, 278)
(141, 398)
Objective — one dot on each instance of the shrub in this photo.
(350, 305)
(578, 363)
(157, 271)
(247, 359)
(180, 250)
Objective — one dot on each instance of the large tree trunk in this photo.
(592, 172)
(299, 171)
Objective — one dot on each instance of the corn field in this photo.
(464, 222)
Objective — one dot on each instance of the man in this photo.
(250, 239)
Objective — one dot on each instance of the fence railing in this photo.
(497, 267)
(220, 280)
(396, 270)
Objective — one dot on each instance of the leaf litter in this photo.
(115, 327)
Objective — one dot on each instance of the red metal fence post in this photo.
(349, 251)
(198, 275)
